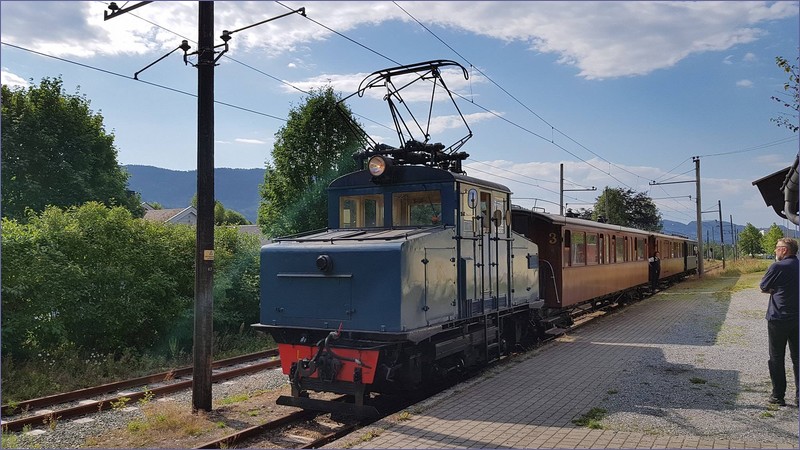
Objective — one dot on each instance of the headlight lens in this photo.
(377, 165)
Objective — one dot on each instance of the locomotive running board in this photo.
(361, 412)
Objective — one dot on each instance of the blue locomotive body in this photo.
(418, 274)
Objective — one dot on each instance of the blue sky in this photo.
(621, 93)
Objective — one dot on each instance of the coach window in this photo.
(591, 248)
(566, 254)
(621, 249)
(579, 248)
(612, 254)
(640, 249)
(603, 246)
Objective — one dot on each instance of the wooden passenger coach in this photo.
(582, 260)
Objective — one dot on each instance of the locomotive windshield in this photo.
(408, 209)
(416, 208)
(361, 211)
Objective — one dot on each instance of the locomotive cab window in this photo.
(361, 211)
(416, 209)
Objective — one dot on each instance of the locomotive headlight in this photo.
(378, 165)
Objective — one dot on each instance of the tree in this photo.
(314, 146)
(793, 92)
(771, 237)
(223, 216)
(626, 208)
(56, 152)
(750, 240)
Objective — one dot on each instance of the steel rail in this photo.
(100, 405)
(328, 438)
(79, 394)
(237, 437)
(234, 438)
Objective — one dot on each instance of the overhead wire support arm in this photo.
(301, 11)
(226, 35)
(656, 183)
(117, 11)
(184, 46)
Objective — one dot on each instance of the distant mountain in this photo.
(237, 189)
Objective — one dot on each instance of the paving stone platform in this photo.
(685, 368)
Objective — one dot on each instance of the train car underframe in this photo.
(356, 364)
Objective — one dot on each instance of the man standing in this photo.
(781, 283)
(654, 263)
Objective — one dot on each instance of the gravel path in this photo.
(722, 349)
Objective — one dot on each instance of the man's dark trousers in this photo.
(780, 332)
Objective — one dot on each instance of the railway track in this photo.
(88, 403)
(298, 429)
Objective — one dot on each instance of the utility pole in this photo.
(721, 235)
(700, 254)
(733, 238)
(204, 250)
(696, 160)
(562, 190)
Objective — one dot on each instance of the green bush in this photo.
(94, 277)
(92, 292)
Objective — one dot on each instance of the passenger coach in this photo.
(583, 261)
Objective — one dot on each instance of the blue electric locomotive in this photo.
(419, 274)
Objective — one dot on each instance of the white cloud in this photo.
(749, 57)
(728, 60)
(12, 80)
(613, 39)
(449, 122)
(291, 65)
(601, 39)
(744, 83)
(418, 92)
(250, 141)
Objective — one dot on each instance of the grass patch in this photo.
(404, 415)
(591, 419)
(234, 399)
(162, 422)
(611, 391)
(752, 314)
(69, 368)
(767, 415)
(697, 380)
(731, 335)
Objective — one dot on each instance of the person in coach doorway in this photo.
(781, 283)
(654, 266)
